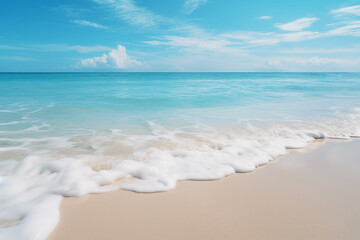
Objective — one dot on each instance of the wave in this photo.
(56, 167)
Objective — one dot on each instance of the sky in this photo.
(179, 36)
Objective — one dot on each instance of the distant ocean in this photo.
(69, 134)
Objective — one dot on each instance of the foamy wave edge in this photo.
(32, 189)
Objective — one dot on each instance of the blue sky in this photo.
(179, 35)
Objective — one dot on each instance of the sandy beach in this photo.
(310, 194)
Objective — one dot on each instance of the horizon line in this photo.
(183, 72)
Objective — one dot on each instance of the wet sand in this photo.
(303, 195)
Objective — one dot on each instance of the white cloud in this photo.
(69, 10)
(314, 63)
(131, 13)
(93, 62)
(192, 42)
(233, 42)
(89, 24)
(192, 5)
(320, 51)
(351, 28)
(297, 25)
(227, 62)
(189, 47)
(348, 10)
(116, 58)
(298, 36)
(238, 42)
(270, 38)
(265, 17)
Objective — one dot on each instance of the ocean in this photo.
(70, 134)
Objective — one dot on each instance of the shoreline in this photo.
(308, 193)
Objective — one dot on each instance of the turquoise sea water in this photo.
(69, 134)
(127, 101)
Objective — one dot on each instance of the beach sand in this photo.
(302, 195)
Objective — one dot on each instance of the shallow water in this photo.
(69, 134)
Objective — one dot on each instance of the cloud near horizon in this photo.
(116, 58)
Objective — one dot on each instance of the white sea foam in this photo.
(9, 123)
(32, 188)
